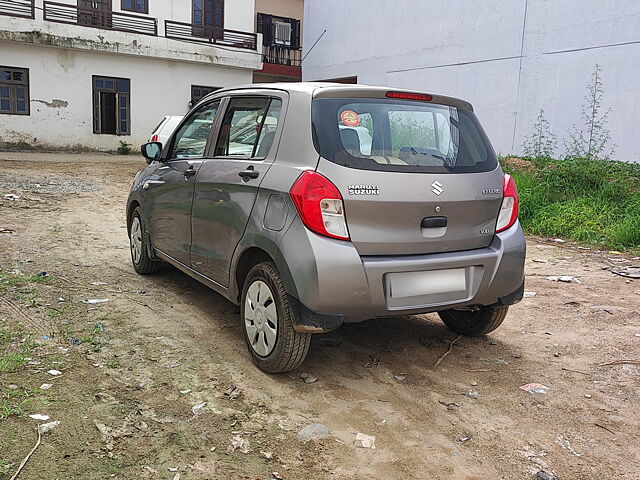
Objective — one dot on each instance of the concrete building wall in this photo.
(509, 58)
(238, 14)
(61, 94)
(63, 58)
(282, 8)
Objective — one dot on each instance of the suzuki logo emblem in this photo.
(436, 187)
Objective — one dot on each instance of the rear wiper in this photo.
(449, 165)
(445, 163)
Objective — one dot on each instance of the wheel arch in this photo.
(130, 208)
(252, 256)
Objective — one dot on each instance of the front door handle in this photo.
(249, 173)
(190, 172)
(147, 185)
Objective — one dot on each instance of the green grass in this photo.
(5, 467)
(591, 201)
(92, 337)
(12, 280)
(12, 402)
(15, 353)
(15, 349)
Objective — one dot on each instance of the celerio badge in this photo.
(436, 187)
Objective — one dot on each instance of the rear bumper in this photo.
(332, 279)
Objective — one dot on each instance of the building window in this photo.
(111, 106)
(14, 90)
(198, 92)
(95, 13)
(139, 6)
(208, 18)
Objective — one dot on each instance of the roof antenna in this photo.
(321, 35)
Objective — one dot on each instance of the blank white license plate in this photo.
(414, 284)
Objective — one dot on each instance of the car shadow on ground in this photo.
(393, 343)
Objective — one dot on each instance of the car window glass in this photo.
(400, 135)
(268, 129)
(357, 139)
(191, 139)
(411, 129)
(241, 126)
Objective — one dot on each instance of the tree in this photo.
(593, 140)
(542, 142)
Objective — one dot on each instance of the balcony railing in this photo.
(108, 20)
(282, 56)
(213, 35)
(18, 8)
(131, 23)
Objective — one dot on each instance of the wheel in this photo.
(476, 323)
(268, 320)
(139, 242)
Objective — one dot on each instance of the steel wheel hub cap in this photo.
(261, 318)
(135, 238)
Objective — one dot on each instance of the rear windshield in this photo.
(400, 135)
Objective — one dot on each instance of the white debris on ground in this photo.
(365, 441)
(564, 279)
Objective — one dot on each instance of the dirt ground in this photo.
(134, 368)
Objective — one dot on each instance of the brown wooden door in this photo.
(108, 113)
(208, 19)
(96, 13)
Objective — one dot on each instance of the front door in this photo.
(227, 185)
(170, 186)
(96, 13)
(208, 18)
(108, 112)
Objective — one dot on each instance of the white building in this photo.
(509, 58)
(90, 73)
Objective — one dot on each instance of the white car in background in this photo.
(165, 128)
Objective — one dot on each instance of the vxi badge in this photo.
(436, 187)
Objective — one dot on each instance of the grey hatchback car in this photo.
(314, 204)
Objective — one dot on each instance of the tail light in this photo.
(509, 209)
(154, 138)
(319, 205)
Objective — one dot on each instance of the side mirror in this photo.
(151, 151)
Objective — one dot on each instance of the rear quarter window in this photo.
(400, 135)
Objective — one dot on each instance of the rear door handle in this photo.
(249, 173)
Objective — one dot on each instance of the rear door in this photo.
(170, 187)
(416, 176)
(227, 182)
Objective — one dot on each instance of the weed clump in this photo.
(582, 199)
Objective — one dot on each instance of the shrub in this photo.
(582, 199)
(124, 148)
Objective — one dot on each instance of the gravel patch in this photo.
(60, 185)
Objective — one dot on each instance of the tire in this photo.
(139, 245)
(265, 305)
(474, 323)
